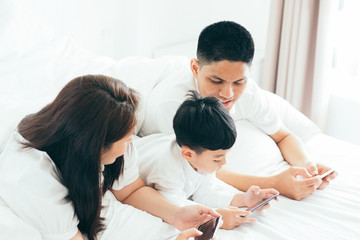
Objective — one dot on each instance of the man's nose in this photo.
(227, 91)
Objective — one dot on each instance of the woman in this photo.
(57, 170)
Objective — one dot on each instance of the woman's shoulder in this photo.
(21, 161)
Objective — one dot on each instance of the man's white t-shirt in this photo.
(168, 94)
(162, 167)
(30, 187)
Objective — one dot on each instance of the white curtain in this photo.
(295, 57)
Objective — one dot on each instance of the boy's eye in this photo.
(217, 161)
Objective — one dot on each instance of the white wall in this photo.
(119, 28)
(343, 120)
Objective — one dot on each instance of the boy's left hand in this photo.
(254, 195)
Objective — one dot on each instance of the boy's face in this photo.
(224, 80)
(208, 161)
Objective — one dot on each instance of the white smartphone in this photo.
(327, 173)
(209, 229)
(262, 203)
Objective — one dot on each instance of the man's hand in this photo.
(255, 195)
(232, 217)
(326, 180)
(311, 168)
(289, 185)
(192, 216)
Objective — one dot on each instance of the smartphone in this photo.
(262, 203)
(209, 229)
(327, 173)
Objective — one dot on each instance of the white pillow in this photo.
(256, 153)
(293, 119)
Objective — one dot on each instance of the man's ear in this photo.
(187, 153)
(194, 66)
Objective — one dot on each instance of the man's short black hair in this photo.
(225, 40)
(203, 124)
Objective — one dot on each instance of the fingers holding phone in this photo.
(255, 195)
(233, 217)
(185, 235)
(326, 174)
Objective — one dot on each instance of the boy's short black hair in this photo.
(225, 40)
(203, 124)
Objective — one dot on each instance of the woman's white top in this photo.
(30, 187)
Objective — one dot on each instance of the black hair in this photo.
(89, 114)
(203, 124)
(225, 40)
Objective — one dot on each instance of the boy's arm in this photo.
(214, 193)
(169, 182)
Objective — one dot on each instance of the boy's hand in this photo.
(232, 217)
(254, 195)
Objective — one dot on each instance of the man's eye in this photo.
(241, 82)
(215, 82)
(217, 161)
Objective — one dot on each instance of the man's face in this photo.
(224, 80)
(208, 161)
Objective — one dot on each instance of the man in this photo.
(224, 56)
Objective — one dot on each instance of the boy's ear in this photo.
(187, 153)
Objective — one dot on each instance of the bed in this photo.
(32, 74)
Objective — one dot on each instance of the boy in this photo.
(182, 167)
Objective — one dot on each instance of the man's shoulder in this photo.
(178, 82)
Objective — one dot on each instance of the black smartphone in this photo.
(262, 203)
(209, 229)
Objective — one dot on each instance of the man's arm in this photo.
(293, 150)
(285, 182)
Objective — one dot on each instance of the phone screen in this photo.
(209, 229)
(262, 203)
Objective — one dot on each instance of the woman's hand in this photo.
(185, 235)
(192, 216)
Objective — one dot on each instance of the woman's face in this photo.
(116, 149)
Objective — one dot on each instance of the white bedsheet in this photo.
(333, 213)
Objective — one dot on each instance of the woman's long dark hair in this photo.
(89, 114)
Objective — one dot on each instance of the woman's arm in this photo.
(78, 236)
(148, 199)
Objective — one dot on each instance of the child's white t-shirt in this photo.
(162, 167)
